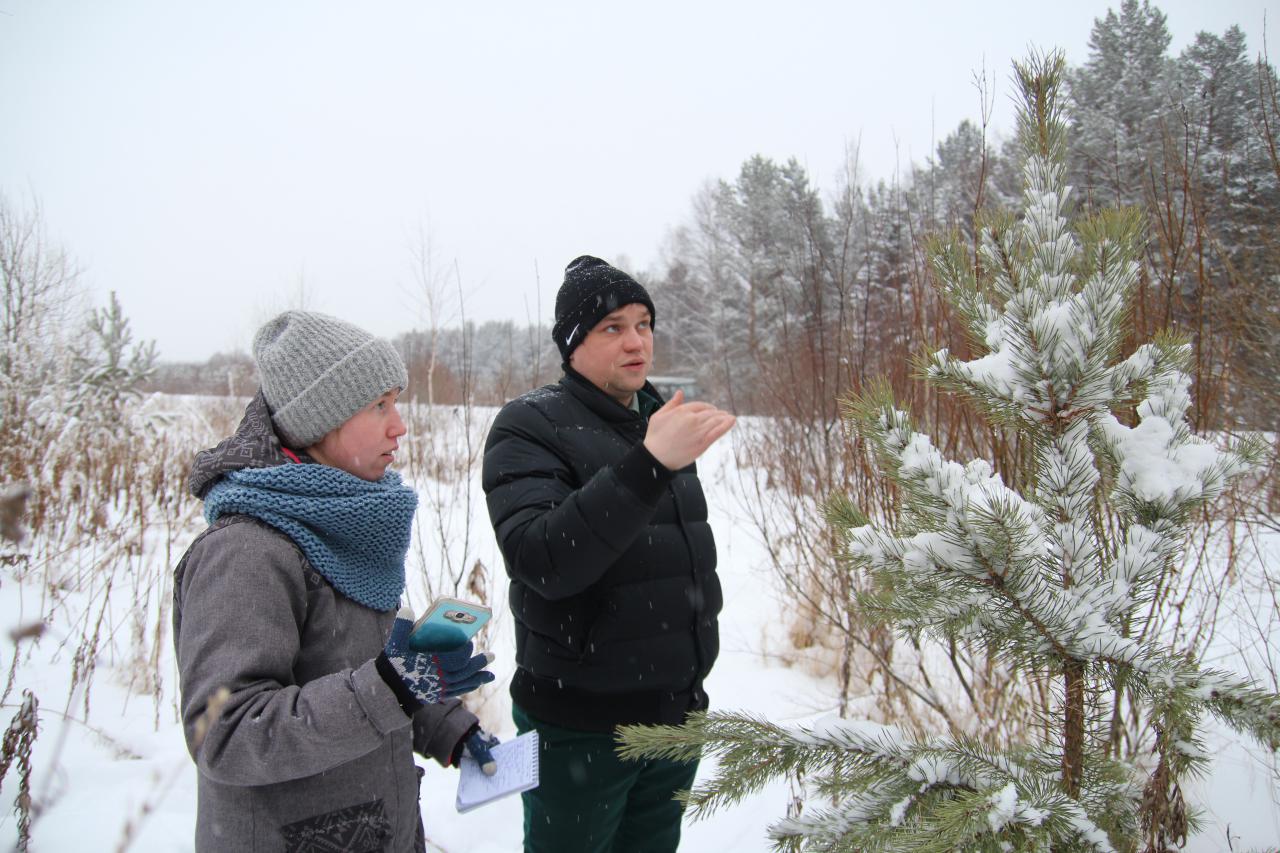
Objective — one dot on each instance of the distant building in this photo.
(668, 385)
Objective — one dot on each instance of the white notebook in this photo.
(517, 761)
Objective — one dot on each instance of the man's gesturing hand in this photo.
(680, 432)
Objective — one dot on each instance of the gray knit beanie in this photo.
(317, 371)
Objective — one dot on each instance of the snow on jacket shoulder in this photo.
(611, 559)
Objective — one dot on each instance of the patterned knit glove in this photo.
(479, 745)
(423, 678)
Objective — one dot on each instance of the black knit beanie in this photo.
(592, 289)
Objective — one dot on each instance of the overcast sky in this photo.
(210, 162)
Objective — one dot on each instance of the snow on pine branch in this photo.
(1045, 229)
(1058, 325)
(937, 794)
(978, 544)
(885, 789)
(1161, 462)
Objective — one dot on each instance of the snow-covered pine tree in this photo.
(1054, 579)
(109, 366)
(1121, 102)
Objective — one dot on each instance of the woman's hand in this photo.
(423, 678)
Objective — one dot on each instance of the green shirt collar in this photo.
(645, 404)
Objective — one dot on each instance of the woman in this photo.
(302, 708)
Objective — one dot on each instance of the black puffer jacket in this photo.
(611, 559)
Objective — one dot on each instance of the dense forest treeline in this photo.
(775, 292)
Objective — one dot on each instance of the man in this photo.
(595, 500)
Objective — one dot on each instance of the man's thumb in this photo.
(676, 400)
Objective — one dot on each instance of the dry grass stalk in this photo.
(18, 740)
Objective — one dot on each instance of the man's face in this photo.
(617, 353)
(365, 444)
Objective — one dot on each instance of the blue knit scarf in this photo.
(353, 531)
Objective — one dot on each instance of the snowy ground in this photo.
(124, 781)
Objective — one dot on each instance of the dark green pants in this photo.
(590, 801)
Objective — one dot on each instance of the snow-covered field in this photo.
(111, 770)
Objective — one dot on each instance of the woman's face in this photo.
(366, 443)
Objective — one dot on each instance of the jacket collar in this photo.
(605, 406)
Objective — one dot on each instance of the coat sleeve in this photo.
(559, 538)
(243, 601)
(437, 728)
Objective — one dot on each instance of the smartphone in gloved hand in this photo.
(447, 624)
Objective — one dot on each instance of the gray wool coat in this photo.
(299, 743)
